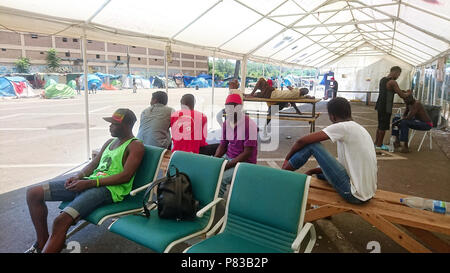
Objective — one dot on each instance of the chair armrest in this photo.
(208, 207)
(308, 227)
(216, 227)
(136, 191)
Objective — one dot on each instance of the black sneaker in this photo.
(34, 249)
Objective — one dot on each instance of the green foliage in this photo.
(53, 61)
(225, 68)
(23, 65)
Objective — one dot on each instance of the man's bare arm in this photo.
(242, 157)
(392, 85)
(135, 154)
(308, 139)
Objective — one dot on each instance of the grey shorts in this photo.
(81, 203)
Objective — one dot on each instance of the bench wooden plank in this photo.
(394, 232)
(283, 100)
(322, 212)
(430, 240)
(310, 119)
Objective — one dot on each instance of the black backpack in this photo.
(175, 199)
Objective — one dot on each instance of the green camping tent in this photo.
(59, 91)
(49, 83)
(72, 84)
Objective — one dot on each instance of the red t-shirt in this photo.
(269, 82)
(188, 129)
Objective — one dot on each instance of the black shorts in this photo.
(384, 120)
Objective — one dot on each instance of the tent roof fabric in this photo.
(308, 33)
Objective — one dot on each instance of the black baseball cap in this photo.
(122, 116)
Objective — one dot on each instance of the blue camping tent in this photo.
(6, 88)
(15, 87)
(92, 78)
(102, 76)
(199, 82)
(187, 80)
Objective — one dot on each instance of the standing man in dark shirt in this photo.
(415, 117)
(334, 87)
(388, 88)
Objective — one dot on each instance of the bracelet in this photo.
(98, 183)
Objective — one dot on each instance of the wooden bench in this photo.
(368, 94)
(384, 212)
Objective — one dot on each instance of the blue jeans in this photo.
(226, 177)
(406, 124)
(81, 203)
(333, 171)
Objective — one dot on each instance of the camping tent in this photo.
(59, 91)
(92, 78)
(140, 82)
(199, 82)
(15, 87)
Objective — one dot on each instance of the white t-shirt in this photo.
(357, 155)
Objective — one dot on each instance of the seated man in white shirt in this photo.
(354, 174)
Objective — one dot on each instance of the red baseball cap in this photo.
(234, 98)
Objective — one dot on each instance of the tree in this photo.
(23, 65)
(53, 61)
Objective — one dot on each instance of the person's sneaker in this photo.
(382, 147)
(34, 249)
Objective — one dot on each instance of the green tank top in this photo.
(111, 164)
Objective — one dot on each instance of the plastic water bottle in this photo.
(391, 144)
(427, 204)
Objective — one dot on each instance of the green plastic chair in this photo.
(160, 235)
(264, 214)
(132, 203)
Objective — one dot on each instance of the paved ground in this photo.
(40, 139)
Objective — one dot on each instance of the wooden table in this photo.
(297, 116)
(387, 214)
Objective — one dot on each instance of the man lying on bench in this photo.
(269, 92)
(106, 179)
(354, 174)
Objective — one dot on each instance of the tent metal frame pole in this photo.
(213, 85)
(285, 29)
(408, 24)
(333, 10)
(283, 25)
(351, 22)
(443, 106)
(166, 70)
(397, 52)
(343, 54)
(395, 24)
(86, 93)
(435, 87)
(425, 11)
(307, 35)
(260, 19)
(398, 31)
(244, 73)
(98, 11)
(429, 88)
(337, 40)
(196, 19)
(423, 84)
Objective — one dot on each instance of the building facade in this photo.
(102, 57)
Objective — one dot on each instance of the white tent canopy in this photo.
(308, 33)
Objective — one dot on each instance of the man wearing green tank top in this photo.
(105, 180)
